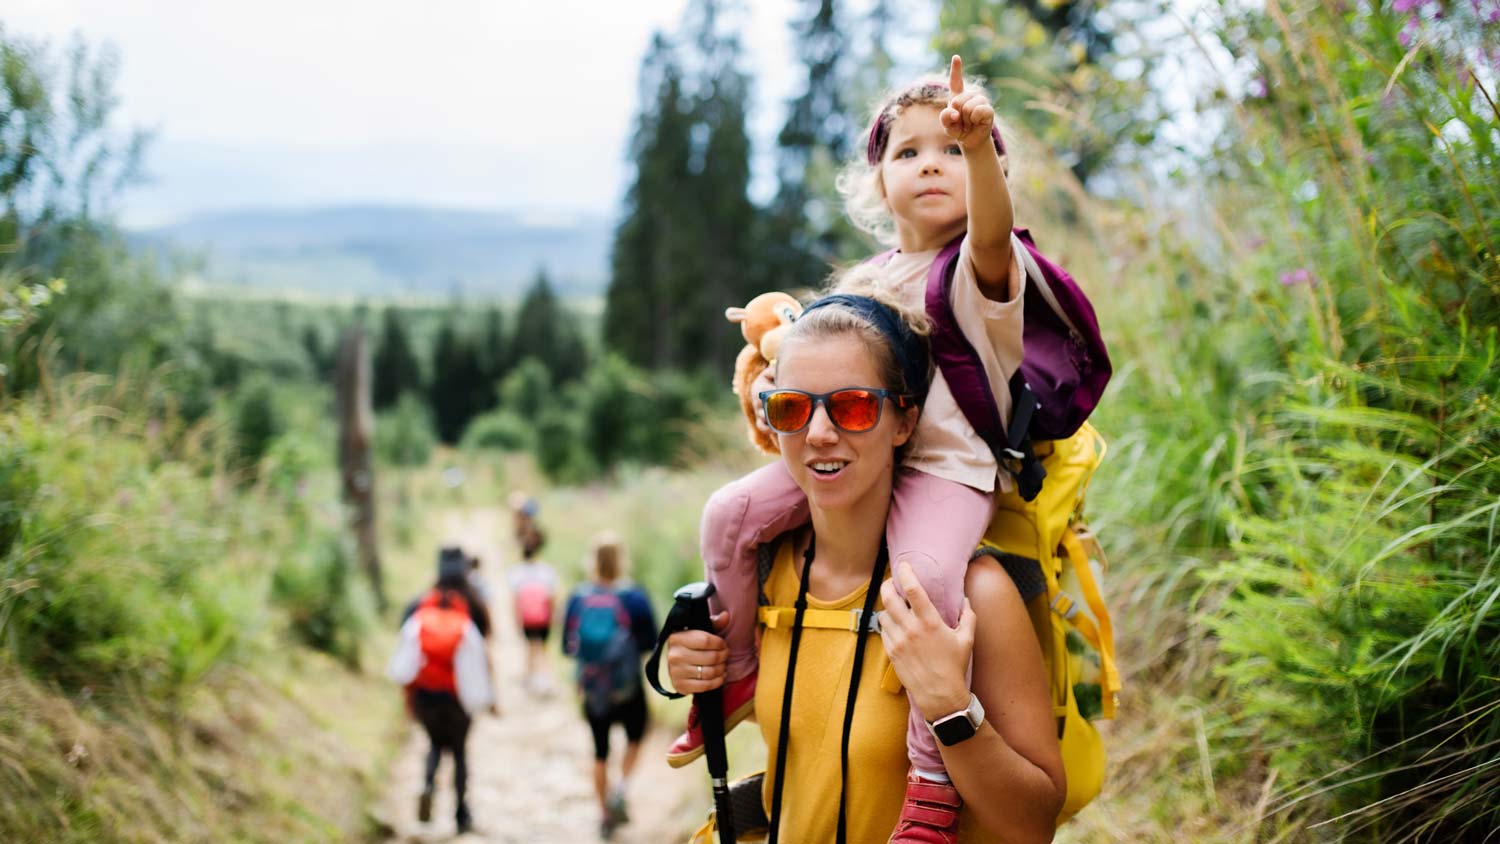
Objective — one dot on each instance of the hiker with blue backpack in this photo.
(932, 183)
(608, 626)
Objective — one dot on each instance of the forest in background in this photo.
(1295, 266)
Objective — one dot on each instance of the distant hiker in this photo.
(480, 585)
(524, 511)
(609, 625)
(442, 661)
(533, 585)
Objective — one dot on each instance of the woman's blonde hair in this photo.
(859, 181)
(610, 561)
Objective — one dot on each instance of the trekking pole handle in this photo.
(693, 599)
(690, 611)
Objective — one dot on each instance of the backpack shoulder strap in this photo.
(955, 355)
(1037, 280)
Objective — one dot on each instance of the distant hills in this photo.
(389, 251)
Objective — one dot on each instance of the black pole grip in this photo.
(691, 611)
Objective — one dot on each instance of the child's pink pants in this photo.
(934, 526)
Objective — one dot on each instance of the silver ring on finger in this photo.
(700, 672)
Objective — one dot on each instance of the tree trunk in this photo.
(356, 433)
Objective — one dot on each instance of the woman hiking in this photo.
(608, 627)
(444, 664)
(931, 177)
(850, 384)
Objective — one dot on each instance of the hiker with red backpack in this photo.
(443, 662)
(533, 585)
(608, 627)
(932, 183)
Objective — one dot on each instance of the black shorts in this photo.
(440, 714)
(537, 634)
(631, 714)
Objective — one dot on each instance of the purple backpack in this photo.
(1062, 374)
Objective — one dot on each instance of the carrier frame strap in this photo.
(786, 696)
(854, 674)
(1106, 633)
(777, 618)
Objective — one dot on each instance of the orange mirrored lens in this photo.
(788, 412)
(854, 410)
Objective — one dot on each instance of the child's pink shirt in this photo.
(946, 445)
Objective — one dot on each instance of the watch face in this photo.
(953, 729)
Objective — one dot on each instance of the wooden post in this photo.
(356, 434)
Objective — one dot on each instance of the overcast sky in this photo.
(451, 102)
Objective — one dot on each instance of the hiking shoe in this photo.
(464, 822)
(929, 814)
(424, 806)
(615, 804)
(739, 702)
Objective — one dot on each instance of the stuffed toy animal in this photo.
(763, 322)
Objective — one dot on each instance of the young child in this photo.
(934, 170)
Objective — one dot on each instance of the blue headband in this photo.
(912, 356)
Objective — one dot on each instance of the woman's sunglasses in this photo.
(853, 410)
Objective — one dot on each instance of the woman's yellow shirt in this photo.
(878, 765)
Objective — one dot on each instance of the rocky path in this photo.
(530, 769)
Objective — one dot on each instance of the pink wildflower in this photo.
(1301, 275)
(1409, 31)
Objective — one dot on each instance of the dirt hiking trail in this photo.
(530, 770)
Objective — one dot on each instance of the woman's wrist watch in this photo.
(961, 725)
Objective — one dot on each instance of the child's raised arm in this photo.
(968, 119)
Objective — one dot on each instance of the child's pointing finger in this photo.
(956, 76)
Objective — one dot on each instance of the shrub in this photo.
(404, 436)
(326, 605)
(500, 430)
(255, 420)
(559, 450)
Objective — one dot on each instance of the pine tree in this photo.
(638, 315)
(727, 220)
(494, 354)
(685, 249)
(457, 377)
(394, 365)
(807, 231)
(546, 331)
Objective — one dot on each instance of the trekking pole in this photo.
(692, 612)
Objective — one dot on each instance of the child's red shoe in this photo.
(929, 814)
(739, 702)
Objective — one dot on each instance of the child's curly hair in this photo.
(859, 182)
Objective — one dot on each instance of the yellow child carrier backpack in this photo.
(1056, 564)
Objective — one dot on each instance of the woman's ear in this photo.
(906, 426)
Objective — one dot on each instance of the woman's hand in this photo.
(969, 115)
(931, 658)
(696, 659)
